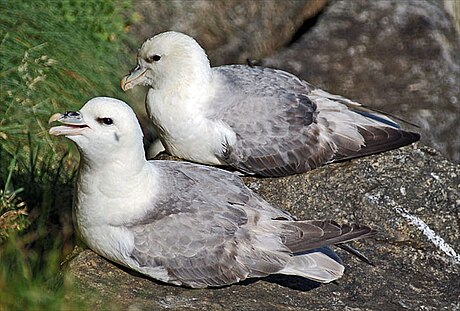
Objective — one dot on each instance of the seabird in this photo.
(180, 222)
(257, 120)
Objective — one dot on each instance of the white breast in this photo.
(106, 202)
(184, 129)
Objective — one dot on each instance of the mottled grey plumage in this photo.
(180, 222)
(281, 130)
(203, 228)
(259, 120)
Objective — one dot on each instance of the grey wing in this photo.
(208, 229)
(274, 121)
(196, 234)
(196, 249)
(285, 126)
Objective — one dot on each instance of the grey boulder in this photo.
(398, 56)
(410, 194)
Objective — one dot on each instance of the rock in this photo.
(398, 56)
(453, 7)
(410, 194)
(230, 31)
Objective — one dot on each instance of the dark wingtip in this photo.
(381, 139)
(333, 233)
(355, 252)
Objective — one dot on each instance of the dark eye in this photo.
(153, 58)
(106, 121)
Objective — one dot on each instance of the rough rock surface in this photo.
(229, 30)
(411, 195)
(402, 57)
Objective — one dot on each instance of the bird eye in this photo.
(106, 121)
(153, 58)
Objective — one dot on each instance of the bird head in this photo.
(103, 128)
(170, 58)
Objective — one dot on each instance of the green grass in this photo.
(54, 56)
(30, 274)
(13, 211)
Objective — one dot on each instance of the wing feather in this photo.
(302, 236)
(283, 125)
(207, 229)
(211, 245)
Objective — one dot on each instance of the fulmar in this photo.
(185, 223)
(258, 120)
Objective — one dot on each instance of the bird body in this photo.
(184, 223)
(258, 120)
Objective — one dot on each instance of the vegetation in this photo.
(54, 56)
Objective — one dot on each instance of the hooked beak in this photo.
(73, 124)
(133, 78)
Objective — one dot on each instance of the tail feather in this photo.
(307, 240)
(314, 266)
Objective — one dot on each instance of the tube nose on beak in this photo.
(68, 117)
(133, 78)
(72, 123)
(72, 114)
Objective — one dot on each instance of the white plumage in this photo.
(180, 222)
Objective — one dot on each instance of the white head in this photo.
(169, 60)
(104, 129)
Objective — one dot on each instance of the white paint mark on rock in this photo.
(419, 223)
(430, 234)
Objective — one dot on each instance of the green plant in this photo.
(12, 213)
(12, 209)
(30, 276)
(54, 56)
